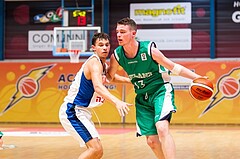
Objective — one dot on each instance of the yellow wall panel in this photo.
(33, 92)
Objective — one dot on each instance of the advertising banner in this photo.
(224, 105)
(222, 108)
(161, 13)
(34, 91)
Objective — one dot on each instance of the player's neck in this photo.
(131, 49)
(103, 60)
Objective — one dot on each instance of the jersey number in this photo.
(139, 84)
(99, 99)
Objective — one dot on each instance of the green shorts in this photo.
(151, 108)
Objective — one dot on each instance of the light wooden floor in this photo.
(192, 142)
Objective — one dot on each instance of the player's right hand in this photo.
(123, 107)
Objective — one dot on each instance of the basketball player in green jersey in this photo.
(148, 70)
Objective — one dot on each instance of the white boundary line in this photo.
(36, 133)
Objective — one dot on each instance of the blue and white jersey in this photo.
(81, 92)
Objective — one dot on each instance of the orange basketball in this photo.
(201, 89)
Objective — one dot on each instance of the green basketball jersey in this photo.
(144, 72)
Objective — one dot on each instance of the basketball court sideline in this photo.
(119, 142)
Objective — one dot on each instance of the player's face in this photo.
(124, 34)
(102, 48)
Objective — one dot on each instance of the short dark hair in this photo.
(128, 21)
(99, 36)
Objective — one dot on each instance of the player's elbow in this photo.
(98, 88)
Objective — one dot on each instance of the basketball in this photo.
(201, 89)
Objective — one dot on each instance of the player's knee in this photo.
(162, 132)
(152, 141)
(97, 151)
(100, 152)
(95, 148)
(162, 128)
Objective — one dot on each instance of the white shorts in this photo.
(77, 122)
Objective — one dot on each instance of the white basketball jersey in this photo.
(82, 92)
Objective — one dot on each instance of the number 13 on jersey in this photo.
(139, 84)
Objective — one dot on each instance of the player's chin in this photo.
(105, 55)
(120, 43)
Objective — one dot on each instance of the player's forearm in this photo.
(185, 72)
(121, 79)
(102, 91)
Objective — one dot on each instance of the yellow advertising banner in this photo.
(34, 91)
(222, 108)
(224, 105)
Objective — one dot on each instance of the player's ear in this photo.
(93, 48)
(134, 32)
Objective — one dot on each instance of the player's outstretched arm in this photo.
(172, 66)
(95, 69)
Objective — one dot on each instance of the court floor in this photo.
(119, 142)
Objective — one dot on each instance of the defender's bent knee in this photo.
(95, 148)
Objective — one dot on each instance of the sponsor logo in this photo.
(50, 16)
(28, 85)
(228, 87)
(143, 56)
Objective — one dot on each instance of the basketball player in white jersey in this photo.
(87, 91)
